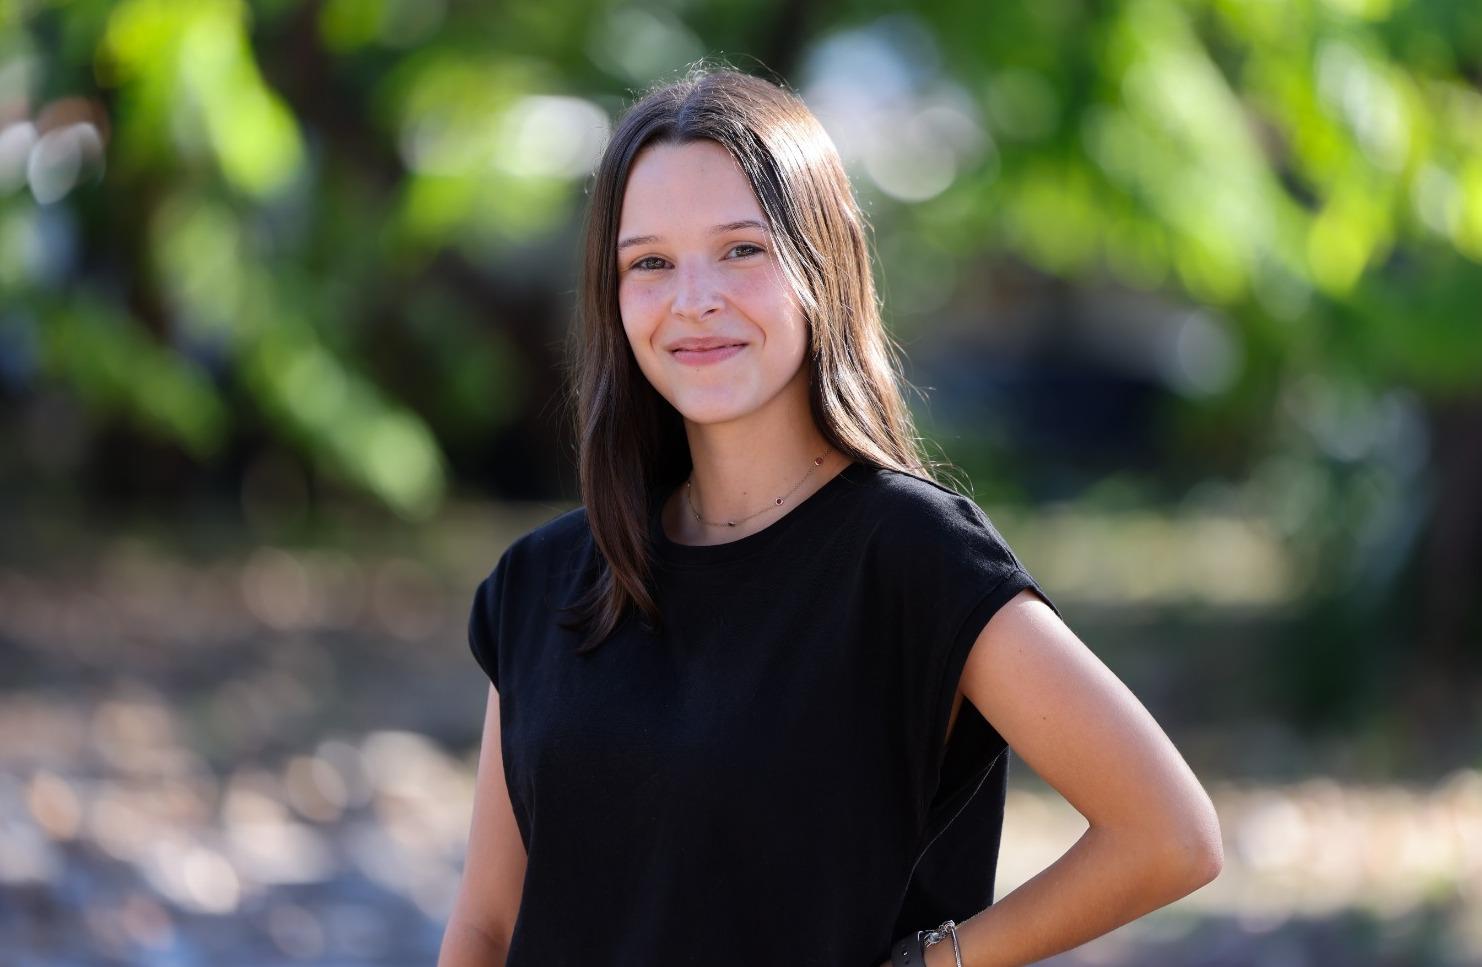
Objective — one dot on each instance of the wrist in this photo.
(940, 955)
(934, 947)
(942, 946)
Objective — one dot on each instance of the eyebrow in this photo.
(632, 240)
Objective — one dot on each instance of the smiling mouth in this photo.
(712, 354)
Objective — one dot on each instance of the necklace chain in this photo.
(689, 486)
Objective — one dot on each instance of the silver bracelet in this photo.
(937, 934)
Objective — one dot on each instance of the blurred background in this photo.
(1191, 291)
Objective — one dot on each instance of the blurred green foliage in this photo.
(346, 230)
(329, 218)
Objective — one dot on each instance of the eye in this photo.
(641, 265)
(755, 249)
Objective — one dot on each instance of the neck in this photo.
(743, 466)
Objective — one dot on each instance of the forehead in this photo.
(697, 183)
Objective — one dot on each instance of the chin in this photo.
(707, 411)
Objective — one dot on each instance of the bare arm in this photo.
(483, 917)
(1154, 836)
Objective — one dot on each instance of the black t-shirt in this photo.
(764, 779)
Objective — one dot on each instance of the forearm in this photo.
(1102, 882)
(466, 945)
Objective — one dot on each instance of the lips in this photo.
(713, 353)
(702, 344)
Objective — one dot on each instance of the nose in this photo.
(696, 291)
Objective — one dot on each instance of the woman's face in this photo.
(697, 268)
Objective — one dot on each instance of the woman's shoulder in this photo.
(913, 500)
(558, 538)
(558, 533)
(916, 520)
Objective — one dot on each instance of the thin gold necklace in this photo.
(689, 486)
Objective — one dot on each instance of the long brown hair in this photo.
(631, 440)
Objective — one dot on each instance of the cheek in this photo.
(770, 298)
(785, 315)
(635, 306)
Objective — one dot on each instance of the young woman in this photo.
(751, 703)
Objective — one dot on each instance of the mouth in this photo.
(712, 354)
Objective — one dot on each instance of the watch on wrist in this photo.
(947, 929)
(910, 950)
(937, 934)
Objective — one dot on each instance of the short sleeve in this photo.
(484, 620)
(955, 571)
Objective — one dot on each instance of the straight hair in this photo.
(631, 441)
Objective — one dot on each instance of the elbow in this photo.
(1179, 853)
(1175, 865)
(1196, 852)
(1205, 864)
